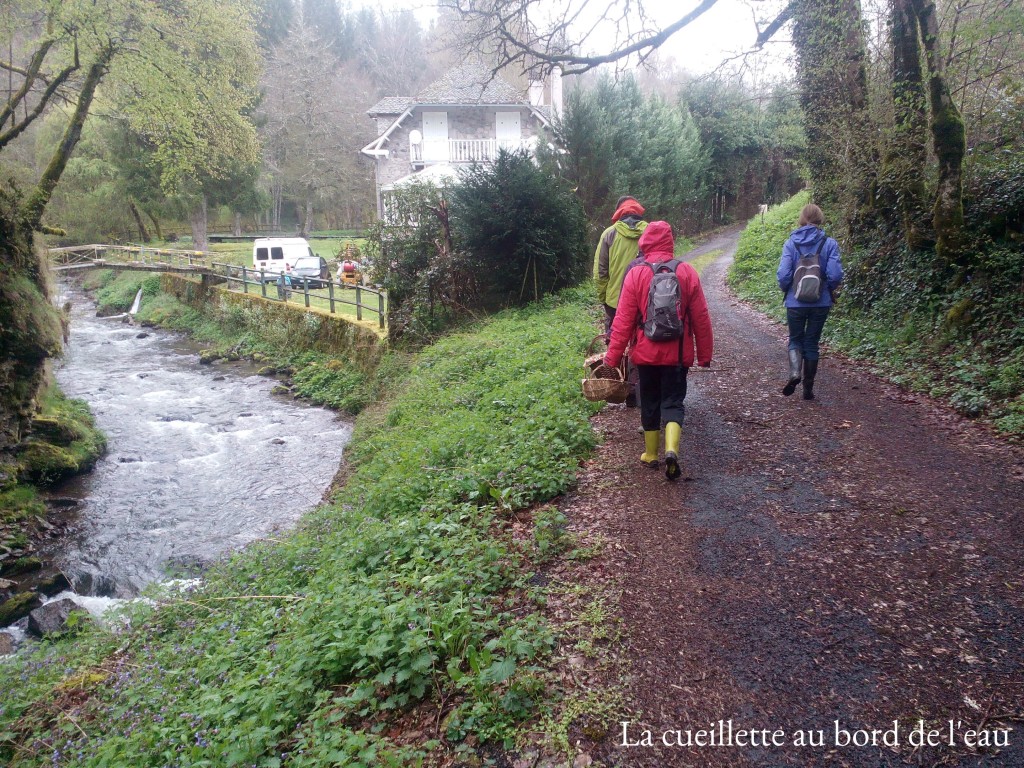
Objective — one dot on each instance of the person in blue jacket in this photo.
(806, 319)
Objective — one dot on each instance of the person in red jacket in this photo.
(662, 365)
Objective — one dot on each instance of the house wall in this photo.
(464, 122)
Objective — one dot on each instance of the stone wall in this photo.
(295, 328)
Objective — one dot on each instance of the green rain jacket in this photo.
(617, 247)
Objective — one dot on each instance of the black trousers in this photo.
(662, 391)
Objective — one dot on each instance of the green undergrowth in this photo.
(396, 625)
(963, 344)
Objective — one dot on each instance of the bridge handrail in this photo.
(246, 276)
(147, 255)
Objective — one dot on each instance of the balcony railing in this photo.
(461, 150)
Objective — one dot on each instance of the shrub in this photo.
(507, 234)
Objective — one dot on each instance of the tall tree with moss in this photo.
(182, 73)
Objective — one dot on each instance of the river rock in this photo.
(142, 335)
(62, 502)
(219, 378)
(7, 644)
(54, 585)
(278, 441)
(21, 565)
(17, 607)
(208, 356)
(281, 389)
(54, 617)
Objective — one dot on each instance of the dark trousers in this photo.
(609, 318)
(662, 391)
(805, 326)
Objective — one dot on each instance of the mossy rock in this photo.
(18, 607)
(208, 356)
(57, 431)
(45, 464)
(21, 565)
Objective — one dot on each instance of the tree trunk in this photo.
(38, 200)
(156, 225)
(198, 221)
(307, 222)
(275, 215)
(841, 151)
(949, 141)
(237, 231)
(907, 153)
(143, 232)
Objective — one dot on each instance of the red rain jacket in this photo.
(657, 245)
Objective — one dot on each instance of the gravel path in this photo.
(855, 559)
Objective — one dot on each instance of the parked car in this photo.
(274, 255)
(313, 269)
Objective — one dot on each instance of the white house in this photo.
(465, 117)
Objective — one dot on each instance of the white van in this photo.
(275, 255)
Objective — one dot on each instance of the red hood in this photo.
(657, 243)
(628, 207)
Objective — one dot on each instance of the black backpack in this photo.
(664, 301)
(809, 276)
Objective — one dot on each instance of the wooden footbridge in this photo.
(327, 295)
(130, 257)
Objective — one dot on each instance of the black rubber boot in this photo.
(796, 358)
(810, 371)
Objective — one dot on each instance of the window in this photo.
(277, 252)
(261, 254)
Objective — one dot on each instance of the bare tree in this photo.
(538, 35)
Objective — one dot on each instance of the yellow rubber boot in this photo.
(650, 454)
(672, 434)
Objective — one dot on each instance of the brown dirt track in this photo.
(856, 558)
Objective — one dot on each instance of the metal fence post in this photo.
(263, 283)
(380, 309)
(359, 303)
(330, 294)
(305, 290)
(245, 282)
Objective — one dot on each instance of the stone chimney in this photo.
(556, 92)
(536, 93)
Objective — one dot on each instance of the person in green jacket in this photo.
(617, 247)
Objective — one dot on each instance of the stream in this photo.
(201, 459)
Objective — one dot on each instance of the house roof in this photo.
(470, 83)
(391, 105)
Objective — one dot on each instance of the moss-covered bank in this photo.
(63, 441)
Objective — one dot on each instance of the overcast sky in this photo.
(722, 32)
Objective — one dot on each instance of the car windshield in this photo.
(307, 262)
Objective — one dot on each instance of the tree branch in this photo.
(503, 26)
(9, 135)
(768, 32)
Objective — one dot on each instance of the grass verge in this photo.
(397, 626)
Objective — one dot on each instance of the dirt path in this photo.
(856, 559)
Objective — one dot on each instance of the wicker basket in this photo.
(606, 383)
(595, 359)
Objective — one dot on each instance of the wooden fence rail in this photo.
(331, 295)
